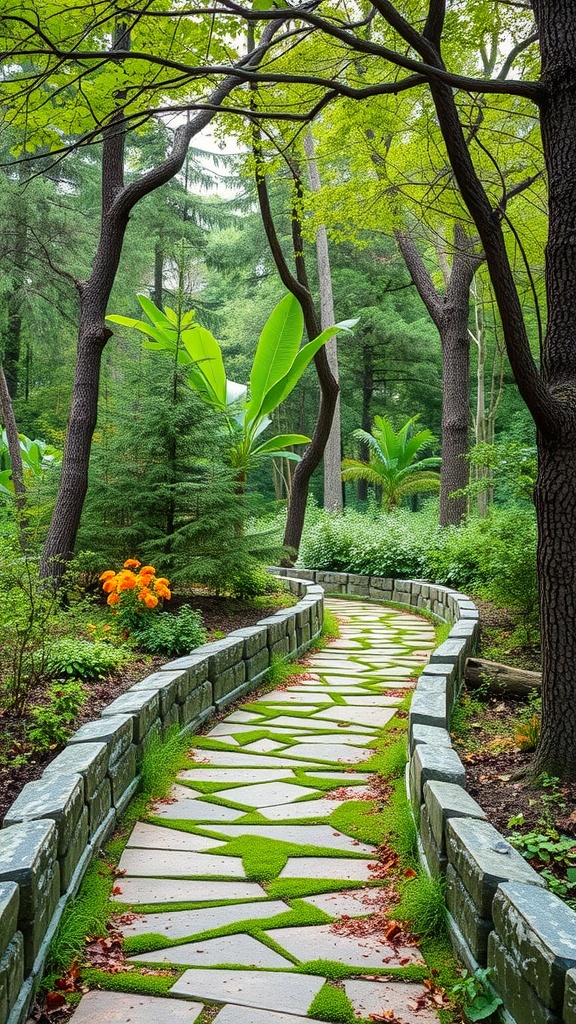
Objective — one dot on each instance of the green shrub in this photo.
(172, 634)
(84, 659)
(51, 721)
(370, 543)
(494, 557)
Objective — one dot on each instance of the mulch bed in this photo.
(501, 780)
(220, 615)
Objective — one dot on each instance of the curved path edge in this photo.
(500, 915)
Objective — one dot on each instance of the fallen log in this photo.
(497, 678)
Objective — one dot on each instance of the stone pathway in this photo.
(249, 855)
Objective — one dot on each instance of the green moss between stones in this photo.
(360, 819)
(300, 914)
(332, 1004)
(132, 981)
(263, 859)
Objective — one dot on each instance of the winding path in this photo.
(248, 880)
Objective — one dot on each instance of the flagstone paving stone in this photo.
(286, 696)
(196, 810)
(343, 868)
(180, 924)
(304, 724)
(264, 746)
(333, 752)
(250, 1015)
(362, 716)
(350, 739)
(307, 809)
(140, 891)
(234, 759)
(278, 990)
(323, 721)
(227, 949)
(154, 837)
(315, 942)
(175, 863)
(313, 835)
(351, 903)
(400, 999)
(269, 794)
(126, 1008)
(201, 774)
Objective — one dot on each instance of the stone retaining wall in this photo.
(55, 827)
(500, 913)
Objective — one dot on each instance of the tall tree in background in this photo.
(450, 311)
(333, 450)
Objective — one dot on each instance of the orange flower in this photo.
(163, 591)
(163, 580)
(107, 575)
(126, 581)
(109, 585)
(150, 600)
(113, 599)
(131, 563)
(147, 570)
(144, 593)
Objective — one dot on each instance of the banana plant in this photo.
(278, 364)
(37, 458)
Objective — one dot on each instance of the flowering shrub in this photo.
(134, 590)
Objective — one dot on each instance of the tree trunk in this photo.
(450, 313)
(454, 470)
(333, 450)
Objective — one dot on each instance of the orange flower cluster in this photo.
(139, 579)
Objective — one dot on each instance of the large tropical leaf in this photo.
(155, 315)
(274, 444)
(163, 338)
(276, 395)
(276, 350)
(205, 351)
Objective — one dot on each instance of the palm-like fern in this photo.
(393, 465)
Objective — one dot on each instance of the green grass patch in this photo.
(360, 819)
(422, 906)
(132, 981)
(332, 1004)
(162, 761)
(295, 888)
(330, 625)
(391, 757)
(85, 915)
(399, 825)
(339, 972)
